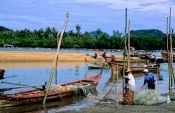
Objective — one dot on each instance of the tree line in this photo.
(140, 39)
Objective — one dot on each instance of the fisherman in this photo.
(104, 55)
(149, 79)
(44, 86)
(129, 87)
(96, 53)
(112, 58)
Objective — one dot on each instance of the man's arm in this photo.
(145, 80)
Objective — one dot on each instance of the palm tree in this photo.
(78, 28)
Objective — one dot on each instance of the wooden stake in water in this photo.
(125, 48)
(128, 56)
(56, 72)
(168, 53)
(117, 93)
(56, 68)
(55, 60)
(171, 55)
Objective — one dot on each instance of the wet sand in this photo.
(15, 56)
(113, 108)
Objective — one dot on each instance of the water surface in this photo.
(36, 75)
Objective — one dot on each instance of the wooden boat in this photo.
(96, 65)
(154, 59)
(62, 91)
(144, 56)
(165, 56)
(2, 71)
(117, 68)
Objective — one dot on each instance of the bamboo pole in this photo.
(55, 60)
(168, 56)
(167, 39)
(128, 56)
(117, 88)
(125, 48)
(56, 71)
(171, 54)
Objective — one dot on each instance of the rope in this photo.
(106, 93)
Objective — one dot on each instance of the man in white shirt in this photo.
(129, 88)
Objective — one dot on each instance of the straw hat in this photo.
(145, 70)
(128, 70)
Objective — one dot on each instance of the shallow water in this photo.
(36, 75)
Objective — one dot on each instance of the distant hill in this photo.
(2, 28)
(150, 32)
(93, 33)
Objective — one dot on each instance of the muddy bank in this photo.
(113, 108)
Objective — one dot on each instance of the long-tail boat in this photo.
(96, 65)
(117, 67)
(2, 71)
(66, 90)
(165, 55)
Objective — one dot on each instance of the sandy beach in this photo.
(15, 56)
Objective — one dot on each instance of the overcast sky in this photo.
(107, 15)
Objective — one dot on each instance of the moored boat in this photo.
(117, 68)
(155, 59)
(96, 65)
(2, 71)
(165, 56)
(62, 91)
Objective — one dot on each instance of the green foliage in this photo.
(140, 39)
(151, 32)
(2, 28)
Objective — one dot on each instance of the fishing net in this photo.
(110, 93)
(148, 97)
(86, 90)
(78, 89)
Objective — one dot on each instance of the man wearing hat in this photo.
(129, 88)
(149, 79)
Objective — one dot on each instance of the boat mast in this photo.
(55, 60)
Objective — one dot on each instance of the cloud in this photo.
(90, 14)
(28, 18)
(140, 5)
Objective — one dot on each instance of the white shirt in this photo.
(131, 82)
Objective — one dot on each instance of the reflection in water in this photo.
(37, 107)
(77, 73)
